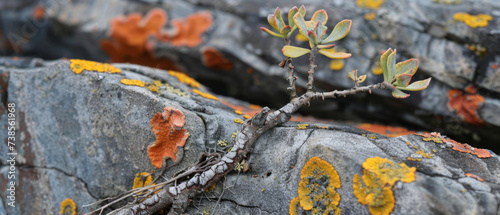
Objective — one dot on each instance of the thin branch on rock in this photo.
(312, 68)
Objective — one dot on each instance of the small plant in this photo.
(211, 167)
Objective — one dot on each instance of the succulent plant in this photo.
(276, 21)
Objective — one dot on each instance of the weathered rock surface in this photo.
(85, 136)
(235, 58)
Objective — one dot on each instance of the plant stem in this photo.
(312, 68)
(291, 75)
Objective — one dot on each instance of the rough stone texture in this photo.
(418, 29)
(85, 137)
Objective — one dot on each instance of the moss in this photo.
(317, 188)
(68, 207)
(133, 82)
(184, 79)
(205, 95)
(77, 66)
(375, 187)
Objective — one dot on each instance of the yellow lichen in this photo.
(142, 179)
(246, 116)
(424, 154)
(371, 4)
(302, 126)
(370, 16)
(377, 70)
(375, 188)
(473, 21)
(155, 87)
(238, 120)
(413, 159)
(448, 1)
(293, 206)
(68, 207)
(336, 64)
(77, 66)
(133, 82)
(205, 95)
(238, 112)
(185, 79)
(171, 89)
(318, 181)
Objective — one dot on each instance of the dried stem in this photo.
(312, 68)
(291, 75)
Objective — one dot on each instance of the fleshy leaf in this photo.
(271, 32)
(399, 94)
(403, 80)
(326, 46)
(339, 32)
(361, 79)
(318, 30)
(417, 85)
(293, 52)
(285, 30)
(291, 13)
(353, 74)
(301, 24)
(331, 53)
(391, 65)
(302, 10)
(405, 66)
(383, 64)
(272, 22)
(320, 15)
(313, 38)
(279, 20)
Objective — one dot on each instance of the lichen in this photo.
(205, 95)
(377, 70)
(370, 16)
(77, 66)
(375, 187)
(38, 12)
(465, 104)
(318, 181)
(133, 82)
(473, 21)
(463, 147)
(142, 179)
(336, 64)
(167, 127)
(302, 126)
(184, 78)
(68, 207)
(238, 120)
(433, 136)
(155, 87)
(247, 116)
(238, 112)
(370, 4)
(389, 131)
(213, 59)
(470, 175)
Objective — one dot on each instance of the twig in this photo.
(312, 68)
(291, 75)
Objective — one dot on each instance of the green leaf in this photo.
(402, 80)
(326, 46)
(405, 67)
(399, 94)
(383, 64)
(313, 37)
(291, 13)
(318, 31)
(353, 74)
(285, 30)
(339, 32)
(293, 52)
(272, 22)
(301, 24)
(331, 53)
(279, 20)
(320, 15)
(302, 10)
(271, 32)
(391, 65)
(417, 85)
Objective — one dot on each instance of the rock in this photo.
(85, 136)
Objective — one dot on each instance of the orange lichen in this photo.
(77, 66)
(293, 206)
(205, 95)
(318, 181)
(389, 131)
(142, 179)
(463, 147)
(466, 104)
(302, 126)
(473, 21)
(211, 187)
(371, 4)
(167, 127)
(433, 136)
(249, 111)
(189, 31)
(184, 79)
(474, 177)
(336, 64)
(68, 207)
(133, 82)
(213, 59)
(246, 116)
(375, 187)
(238, 120)
(38, 12)
(370, 16)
